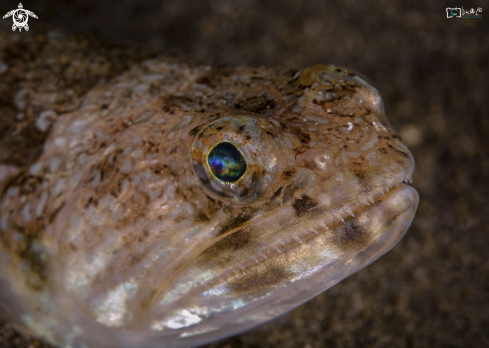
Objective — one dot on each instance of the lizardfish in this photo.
(179, 203)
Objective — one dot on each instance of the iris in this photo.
(226, 162)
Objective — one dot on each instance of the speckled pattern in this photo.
(121, 223)
(431, 289)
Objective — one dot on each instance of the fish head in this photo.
(180, 204)
(310, 197)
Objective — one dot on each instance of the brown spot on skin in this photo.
(304, 204)
(213, 204)
(136, 259)
(276, 194)
(241, 129)
(255, 177)
(391, 216)
(196, 130)
(37, 272)
(234, 241)
(221, 252)
(352, 234)
(300, 150)
(304, 135)
(358, 169)
(254, 279)
(201, 217)
(287, 175)
(55, 212)
(255, 104)
(27, 183)
(234, 223)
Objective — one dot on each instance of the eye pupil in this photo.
(226, 162)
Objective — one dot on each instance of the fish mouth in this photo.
(396, 202)
(299, 260)
(322, 222)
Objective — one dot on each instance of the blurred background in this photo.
(432, 289)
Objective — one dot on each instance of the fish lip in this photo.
(349, 210)
(365, 200)
(308, 234)
(269, 252)
(333, 216)
(302, 290)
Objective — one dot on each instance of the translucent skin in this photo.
(121, 236)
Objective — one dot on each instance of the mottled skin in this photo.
(118, 235)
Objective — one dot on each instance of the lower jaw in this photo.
(347, 230)
(348, 244)
(274, 284)
(328, 222)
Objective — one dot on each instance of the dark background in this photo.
(432, 289)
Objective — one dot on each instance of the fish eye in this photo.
(226, 162)
(234, 158)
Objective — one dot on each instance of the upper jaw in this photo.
(320, 219)
(298, 268)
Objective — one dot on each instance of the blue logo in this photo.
(454, 12)
(459, 12)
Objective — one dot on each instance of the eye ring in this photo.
(245, 137)
(226, 162)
